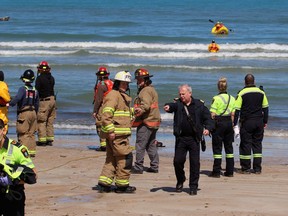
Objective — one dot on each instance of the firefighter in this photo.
(103, 86)
(252, 106)
(16, 168)
(147, 120)
(222, 111)
(4, 99)
(116, 126)
(47, 104)
(27, 100)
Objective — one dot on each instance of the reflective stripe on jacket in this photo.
(220, 102)
(147, 100)
(116, 115)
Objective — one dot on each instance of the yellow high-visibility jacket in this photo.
(4, 98)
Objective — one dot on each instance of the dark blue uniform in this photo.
(252, 106)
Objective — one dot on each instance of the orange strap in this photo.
(149, 124)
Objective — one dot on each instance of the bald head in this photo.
(249, 80)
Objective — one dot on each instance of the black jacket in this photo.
(45, 85)
(202, 117)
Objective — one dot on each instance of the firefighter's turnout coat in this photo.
(116, 118)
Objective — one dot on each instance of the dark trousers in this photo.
(251, 135)
(184, 145)
(12, 203)
(223, 134)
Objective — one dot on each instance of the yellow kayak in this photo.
(219, 28)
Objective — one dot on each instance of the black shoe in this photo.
(240, 171)
(257, 172)
(135, 171)
(193, 192)
(179, 186)
(101, 148)
(159, 144)
(129, 189)
(214, 175)
(41, 143)
(49, 143)
(150, 170)
(228, 174)
(104, 189)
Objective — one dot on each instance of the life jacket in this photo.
(216, 48)
(219, 25)
(109, 85)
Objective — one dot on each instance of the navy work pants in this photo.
(251, 135)
(223, 135)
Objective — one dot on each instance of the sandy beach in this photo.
(67, 179)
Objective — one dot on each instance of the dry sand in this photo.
(66, 177)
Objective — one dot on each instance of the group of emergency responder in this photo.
(250, 112)
(16, 166)
(36, 111)
(36, 107)
(114, 119)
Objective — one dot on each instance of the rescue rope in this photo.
(77, 159)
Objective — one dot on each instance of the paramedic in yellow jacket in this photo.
(4, 99)
(147, 121)
(116, 125)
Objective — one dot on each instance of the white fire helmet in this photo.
(123, 76)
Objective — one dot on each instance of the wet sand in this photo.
(68, 173)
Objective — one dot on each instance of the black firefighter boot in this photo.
(129, 189)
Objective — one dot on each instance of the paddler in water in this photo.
(213, 47)
(218, 26)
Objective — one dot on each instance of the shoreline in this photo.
(67, 174)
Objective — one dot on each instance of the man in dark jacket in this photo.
(191, 120)
(47, 104)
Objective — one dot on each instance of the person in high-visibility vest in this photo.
(253, 108)
(16, 168)
(222, 111)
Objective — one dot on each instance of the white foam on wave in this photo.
(194, 55)
(144, 50)
(34, 52)
(136, 45)
(166, 55)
